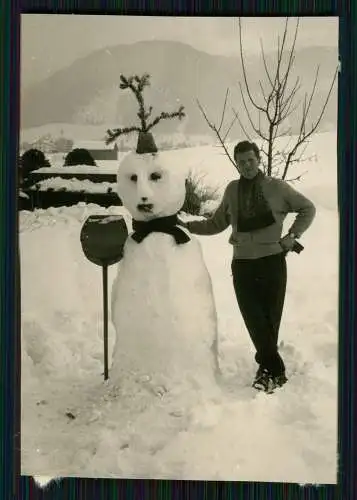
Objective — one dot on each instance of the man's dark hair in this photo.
(244, 147)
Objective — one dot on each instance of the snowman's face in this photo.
(148, 188)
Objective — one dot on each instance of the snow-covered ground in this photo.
(73, 424)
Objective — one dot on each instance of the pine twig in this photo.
(112, 135)
(137, 85)
(166, 116)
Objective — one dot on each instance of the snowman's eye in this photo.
(155, 176)
(134, 178)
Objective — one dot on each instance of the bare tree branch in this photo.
(224, 110)
(256, 130)
(291, 57)
(280, 53)
(264, 152)
(281, 102)
(303, 137)
(215, 130)
(263, 92)
(265, 64)
(244, 71)
(287, 108)
(229, 128)
(290, 96)
(312, 92)
(242, 126)
(281, 133)
(298, 178)
(281, 83)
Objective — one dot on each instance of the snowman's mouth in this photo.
(145, 207)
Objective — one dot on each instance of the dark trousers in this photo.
(260, 286)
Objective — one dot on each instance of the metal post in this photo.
(105, 319)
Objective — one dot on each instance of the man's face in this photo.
(247, 164)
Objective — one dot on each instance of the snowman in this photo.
(163, 307)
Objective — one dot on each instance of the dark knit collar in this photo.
(167, 225)
(254, 211)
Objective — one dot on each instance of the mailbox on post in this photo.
(103, 238)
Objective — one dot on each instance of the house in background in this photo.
(99, 150)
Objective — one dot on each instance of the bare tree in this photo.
(278, 102)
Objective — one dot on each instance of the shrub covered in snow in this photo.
(79, 156)
(31, 160)
(198, 195)
(208, 207)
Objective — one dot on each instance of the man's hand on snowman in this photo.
(287, 242)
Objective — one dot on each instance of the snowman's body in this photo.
(163, 307)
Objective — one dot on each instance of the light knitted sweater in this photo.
(282, 199)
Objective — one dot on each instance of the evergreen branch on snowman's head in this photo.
(166, 116)
(112, 135)
(137, 85)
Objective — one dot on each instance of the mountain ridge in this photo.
(87, 91)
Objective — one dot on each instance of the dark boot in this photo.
(264, 381)
(280, 380)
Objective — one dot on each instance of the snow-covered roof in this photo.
(93, 145)
(74, 185)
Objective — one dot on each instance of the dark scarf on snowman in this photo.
(166, 225)
(253, 210)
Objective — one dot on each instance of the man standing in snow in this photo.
(256, 206)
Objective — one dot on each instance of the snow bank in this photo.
(74, 424)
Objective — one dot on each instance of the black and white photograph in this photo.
(179, 244)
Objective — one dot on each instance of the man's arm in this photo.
(217, 223)
(298, 203)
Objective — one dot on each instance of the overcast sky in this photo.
(51, 42)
